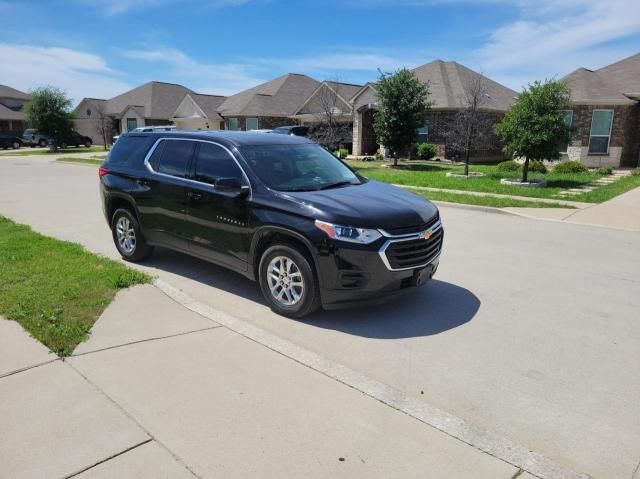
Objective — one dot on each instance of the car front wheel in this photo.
(288, 282)
(127, 236)
(15, 145)
(42, 143)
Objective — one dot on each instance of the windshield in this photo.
(298, 167)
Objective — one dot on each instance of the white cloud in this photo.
(216, 78)
(115, 7)
(552, 38)
(79, 73)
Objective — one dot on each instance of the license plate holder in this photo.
(421, 276)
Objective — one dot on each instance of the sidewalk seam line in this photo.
(27, 368)
(134, 420)
(130, 343)
(135, 446)
(478, 438)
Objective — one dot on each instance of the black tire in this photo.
(15, 145)
(141, 249)
(63, 145)
(42, 143)
(309, 300)
(88, 144)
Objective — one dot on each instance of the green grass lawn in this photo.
(605, 193)
(483, 200)
(55, 289)
(25, 151)
(434, 175)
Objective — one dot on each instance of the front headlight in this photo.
(348, 233)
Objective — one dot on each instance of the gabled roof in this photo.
(447, 82)
(157, 99)
(209, 104)
(8, 92)
(343, 92)
(9, 114)
(280, 97)
(624, 74)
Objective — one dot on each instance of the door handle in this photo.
(192, 195)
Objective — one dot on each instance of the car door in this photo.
(218, 218)
(162, 205)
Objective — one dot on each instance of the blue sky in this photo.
(100, 48)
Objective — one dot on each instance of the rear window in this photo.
(129, 148)
(29, 131)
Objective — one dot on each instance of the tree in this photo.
(328, 129)
(535, 127)
(403, 101)
(48, 110)
(104, 123)
(470, 129)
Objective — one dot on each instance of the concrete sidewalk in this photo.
(159, 391)
(621, 212)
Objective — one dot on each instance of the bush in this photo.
(604, 170)
(509, 165)
(570, 167)
(379, 156)
(341, 153)
(636, 171)
(426, 151)
(537, 166)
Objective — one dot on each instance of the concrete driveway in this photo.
(530, 331)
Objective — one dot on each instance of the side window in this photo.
(214, 163)
(154, 161)
(175, 157)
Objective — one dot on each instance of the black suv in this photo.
(76, 139)
(278, 209)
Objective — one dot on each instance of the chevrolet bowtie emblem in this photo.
(426, 235)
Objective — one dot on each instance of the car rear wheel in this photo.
(15, 145)
(288, 282)
(42, 143)
(127, 236)
(88, 144)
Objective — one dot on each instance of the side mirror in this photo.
(231, 186)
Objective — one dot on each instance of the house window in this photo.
(601, 123)
(132, 124)
(568, 119)
(423, 133)
(88, 111)
(233, 123)
(251, 124)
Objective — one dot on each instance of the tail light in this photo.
(102, 171)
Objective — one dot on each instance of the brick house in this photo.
(446, 82)
(604, 114)
(269, 104)
(12, 119)
(154, 103)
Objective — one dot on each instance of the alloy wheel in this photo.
(285, 281)
(126, 235)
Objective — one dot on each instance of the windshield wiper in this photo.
(336, 184)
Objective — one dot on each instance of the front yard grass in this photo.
(416, 173)
(605, 193)
(492, 201)
(56, 289)
(26, 151)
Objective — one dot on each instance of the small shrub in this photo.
(509, 165)
(426, 151)
(604, 170)
(570, 167)
(379, 156)
(341, 153)
(537, 166)
(636, 171)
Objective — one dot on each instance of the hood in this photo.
(368, 205)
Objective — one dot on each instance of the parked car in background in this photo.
(149, 129)
(33, 138)
(261, 131)
(293, 130)
(278, 209)
(75, 139)
(9, 141)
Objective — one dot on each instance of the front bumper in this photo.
(356, 274)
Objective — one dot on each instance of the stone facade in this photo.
(624, 145)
